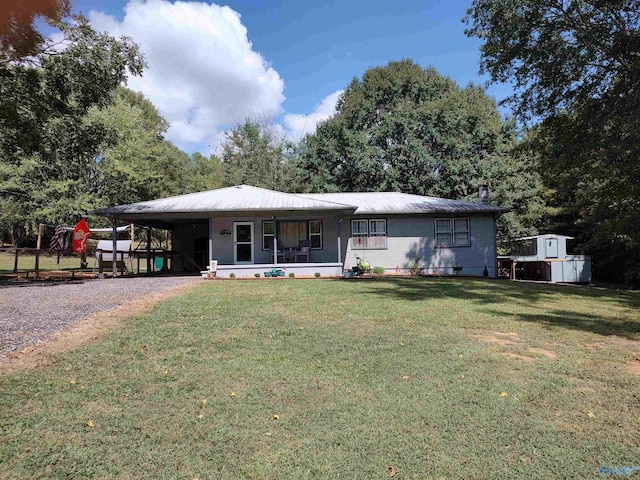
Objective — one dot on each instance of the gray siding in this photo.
(223, 245)
(410, 237)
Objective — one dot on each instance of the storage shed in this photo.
(545, 258)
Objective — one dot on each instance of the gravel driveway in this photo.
(31, 314)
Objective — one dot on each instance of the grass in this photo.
(340, 379)
(26, 263)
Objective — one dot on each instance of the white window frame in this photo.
(319, 234)
(264, 235)
(367, 234)
(450, 232)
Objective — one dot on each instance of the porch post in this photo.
(275, 241)
(114, 253)
(210, 240)
(339, 242)
(148, 251)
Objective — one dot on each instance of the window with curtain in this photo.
(290, 234)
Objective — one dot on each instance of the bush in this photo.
(317, 274)
(378, 270)
(291, 275)
(232, 275)
(414, 267)
(257, 275)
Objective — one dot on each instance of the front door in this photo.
(243, 242)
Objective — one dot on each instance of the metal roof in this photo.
(546, 235)
(369, 203)
(241, 198)
(245, 199)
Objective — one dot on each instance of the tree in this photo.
(575, 67)
(253, 155)
(19, 37)
(559, 53)
(204, 173)
(404, 128)
(135, 162)
(48, 143)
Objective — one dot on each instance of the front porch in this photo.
(333, 269)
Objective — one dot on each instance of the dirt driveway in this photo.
(44, 319)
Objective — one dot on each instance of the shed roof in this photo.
(545, 235)
(369, 203)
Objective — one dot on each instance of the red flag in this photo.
(80, 235)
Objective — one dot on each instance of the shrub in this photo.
(414, 267)
(317, 274)
(257, 275)
(291, 275)
(232, 275)
(378, 270)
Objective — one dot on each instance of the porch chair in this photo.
(303, 251)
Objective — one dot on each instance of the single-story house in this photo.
(249, 229)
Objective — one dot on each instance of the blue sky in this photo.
(210, 67)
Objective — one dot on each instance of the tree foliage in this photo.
(404, 128)
(576, 67)
(135, 162)
(48, 143)
(559, 52)
(252, 154)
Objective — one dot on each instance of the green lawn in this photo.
(26, 263)
(270, 379)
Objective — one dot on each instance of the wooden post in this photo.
(38, 247)
(133, 232)
(513, 270)
(148, 250)
(114, 253)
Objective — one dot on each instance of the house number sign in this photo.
(225, 232)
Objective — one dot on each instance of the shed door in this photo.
(552, 247)
(243, 242)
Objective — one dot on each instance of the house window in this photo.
(452, 232)
(267, 235)
(292, 233)
(370, 233)
(315, 234)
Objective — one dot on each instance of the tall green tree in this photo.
(252, 154)
(48, 143)
(136, 163)
(404, 128)
(576, 70)
(204, 173)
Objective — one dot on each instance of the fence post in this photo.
(38, 247)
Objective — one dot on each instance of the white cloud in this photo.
(202, 74)
(297, 125)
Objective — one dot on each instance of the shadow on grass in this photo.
(527, 295)
(580, 321)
